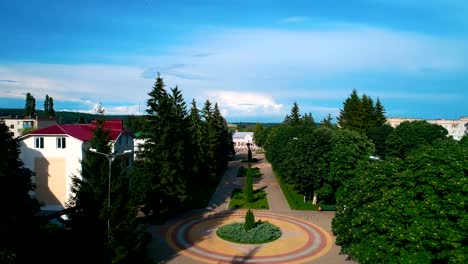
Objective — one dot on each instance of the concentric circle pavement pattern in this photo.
(300, 242)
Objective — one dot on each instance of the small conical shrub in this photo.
(249, 220)
(248, 188)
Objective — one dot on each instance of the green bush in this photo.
(249, 220)
(263, 232)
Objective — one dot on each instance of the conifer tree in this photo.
(210, 136)
(49, 106)
(294, 118)
(196, 155)
(308, 120)
(249, 220)
(350, 115)
(380, 113)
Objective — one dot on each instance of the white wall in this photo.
(72, 153)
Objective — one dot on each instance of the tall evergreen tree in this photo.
(30, 106)
(210, 136)
(380, 113)
(197, 161)
(224, 140)
(350, 115)
(294, 118)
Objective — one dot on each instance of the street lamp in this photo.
(110, 157)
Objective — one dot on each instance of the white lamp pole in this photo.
(110, 157)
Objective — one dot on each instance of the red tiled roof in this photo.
(83, 132)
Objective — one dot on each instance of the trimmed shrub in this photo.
(248, 188)
(249, 220)
(263, 232)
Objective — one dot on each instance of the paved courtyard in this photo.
(191, 238)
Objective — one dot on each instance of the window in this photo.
(39, 143)
(12, 126)
(128, 162)
(61, 143)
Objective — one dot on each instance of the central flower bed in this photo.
(263, 232)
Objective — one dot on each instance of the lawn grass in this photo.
(263, 232)
(295, 198)
(259, 202)
(255, 172)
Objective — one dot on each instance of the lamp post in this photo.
(110, 157)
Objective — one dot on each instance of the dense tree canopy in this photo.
(360, 114)
(184, 154)
(407, 211)
(411, 135)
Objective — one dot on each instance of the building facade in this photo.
(456, 128)
(241, 139)
(19, 124)
(55, 153)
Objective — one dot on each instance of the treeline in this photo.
(400, 194)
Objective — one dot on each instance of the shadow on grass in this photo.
(259, 202)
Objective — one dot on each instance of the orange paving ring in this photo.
(300, 242)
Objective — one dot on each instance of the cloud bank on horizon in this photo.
(254, 59)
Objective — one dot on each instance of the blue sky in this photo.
(255, 58)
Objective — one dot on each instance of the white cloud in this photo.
(245, 103)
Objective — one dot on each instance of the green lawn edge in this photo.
(295, 199)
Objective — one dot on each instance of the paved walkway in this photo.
(191, 238)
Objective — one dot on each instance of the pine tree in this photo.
(350, 115)
(224, 141)
(380, 113)
(196, 155)
(249, 220)
(211, 140)
(368, 114)
(46, 104)
(294, 118)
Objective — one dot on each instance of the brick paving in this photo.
(162, 247)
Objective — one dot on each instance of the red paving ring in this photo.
(301, 241)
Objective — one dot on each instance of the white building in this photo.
(456, 128)
(17, 125)
(54, 154)
(242, 138)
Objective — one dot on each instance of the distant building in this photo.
(18, 124)
(55, 153)
(242, 138)
(456, 128)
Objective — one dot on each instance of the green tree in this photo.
(407, 211)
(379, 136)
(308, 120)
(135, 123)
(249, 220)
(17, 208)
(49, 106)
(411, 135)
(294, 118)
(248, 188)
(197, 153)
(360, 114)
(30, 106)
(380, 113)
(258, 131)
(350, 116)
(327, 121)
